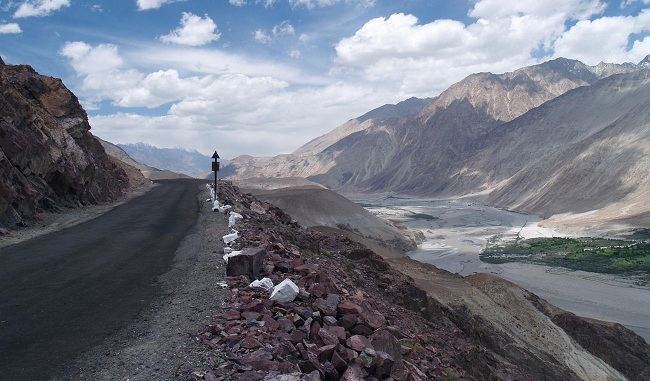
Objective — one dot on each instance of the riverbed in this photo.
(455, 231)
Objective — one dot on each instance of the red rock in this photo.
(251, 315)
(271, 324)
(327, 306)
(330, 372)
(250, 343)
(318, 290)
(374, 320)
(339, 332)
(347, 307)
(328, 337)
(348, 321)
(313, 333)
(358, 343)
(384, 341)
(304, 312)
(231, 315)
(249, 262)
(338, 362)
(330, 320)
(324, 353)
(286, 325)
(298, 336)
(383, 365)
(256, 306)
(361, 329)
(303, 351)
(353, 373)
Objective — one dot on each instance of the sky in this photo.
(263, 77)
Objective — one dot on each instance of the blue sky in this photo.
(262, 77)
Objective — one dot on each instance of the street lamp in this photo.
(215, 168)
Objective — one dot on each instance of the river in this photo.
(456, 231)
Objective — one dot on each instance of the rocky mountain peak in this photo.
(645, 63)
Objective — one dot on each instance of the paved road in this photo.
(65, 292)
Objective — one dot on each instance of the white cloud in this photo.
(282, 29)
(627, 3)
(238, 3)
(572, 9)
(423, 59)
(194, 31)
(605, 38)
(144, 5)
(10, 28)
(311, 4)
(261, 36)
(39, 8)
(242, 115)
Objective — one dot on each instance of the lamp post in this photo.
(215, 168)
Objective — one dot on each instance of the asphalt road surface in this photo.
(63, 293)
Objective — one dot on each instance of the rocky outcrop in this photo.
(357, 316)
(48, 157)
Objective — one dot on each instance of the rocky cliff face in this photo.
(48, 157)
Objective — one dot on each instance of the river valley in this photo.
(455, 231)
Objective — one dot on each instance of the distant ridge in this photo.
(191, 163)
(447, 148)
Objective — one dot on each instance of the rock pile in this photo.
(321, 327)
(315, 305)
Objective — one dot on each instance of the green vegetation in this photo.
(589, 254)
(422, 216)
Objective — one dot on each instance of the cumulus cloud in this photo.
(261, 36)
(282, 29)
(10, 28)
(194, 31)
(39, 8)
(238, 3)
(144, 5)
(504, 35)
(245, 112)
(591, 41)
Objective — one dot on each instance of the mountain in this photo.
(452, 146)
(150, 173)
(191, 163)
(48, 157)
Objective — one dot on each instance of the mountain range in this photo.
(556, 139)
(191, 163)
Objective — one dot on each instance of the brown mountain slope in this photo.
(405, 153)
(580, 152)
(48, 157)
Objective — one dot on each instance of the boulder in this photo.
(249, 262)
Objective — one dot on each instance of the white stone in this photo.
(232, 220)
(285, 292)
(228, 238)
(265, 284)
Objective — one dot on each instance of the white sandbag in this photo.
(231, 254)
(228, 238)
(232, 220)
(285, 292)
(228, 250)
(223, 209)
(265, 284)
